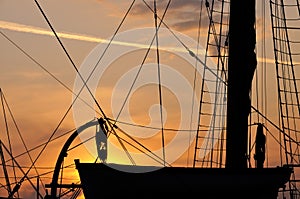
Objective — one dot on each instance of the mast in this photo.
(241, 67)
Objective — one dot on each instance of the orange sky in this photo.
(39, 102)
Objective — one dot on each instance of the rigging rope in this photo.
(44, 69)
(159, 159)
(85, 85)
(19, 133)
(217, 87)
(186, 47)
(7, 132)
(40, 145)
(18, 184)
(288, 95)
(69, 58)
(218, 105)
(139, 70)
(159, 83)
(163, 160)
(195, 75)
(151, 127)
(264, 71)
(141, 66)
(44, 147)
(210, 16)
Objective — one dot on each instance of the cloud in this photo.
(74, 36)
(181, 15)
(36, 30)
(141, 7)
(185, 25)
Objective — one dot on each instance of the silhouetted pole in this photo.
(37, 187)
(241, 67)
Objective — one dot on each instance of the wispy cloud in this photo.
(36, 30)
(74, 36)
(181, 15)
(80, 37)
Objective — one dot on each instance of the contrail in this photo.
(80, 37)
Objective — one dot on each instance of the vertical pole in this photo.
(4, 169)
(37, 188)
(241, 67)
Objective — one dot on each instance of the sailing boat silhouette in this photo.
(236, 180)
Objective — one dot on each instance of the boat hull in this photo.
(99, 180)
